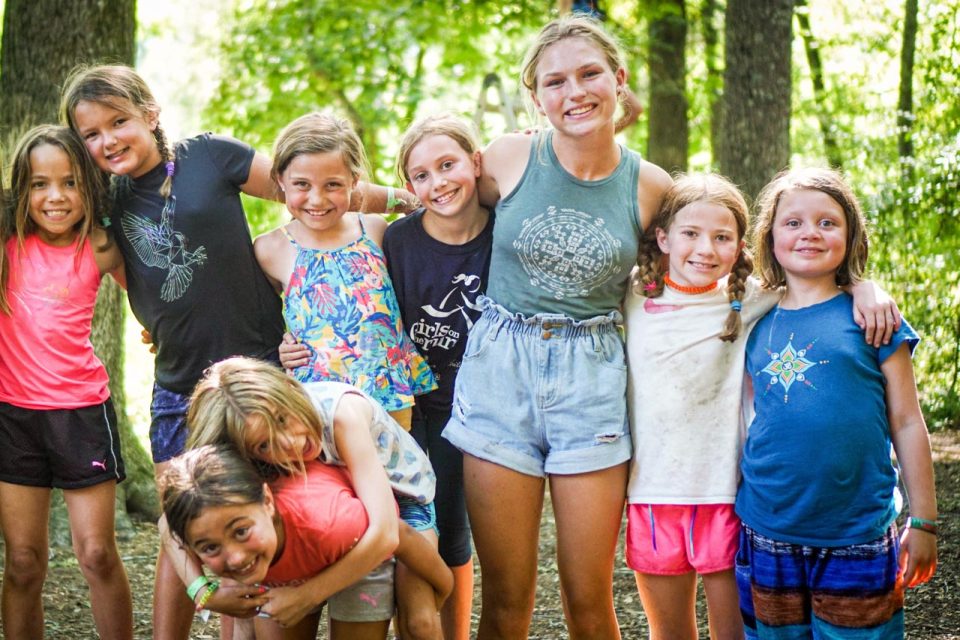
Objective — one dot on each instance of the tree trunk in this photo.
(42, 41)
(755, 143)
(905, 101)
(812, 48)
(668, 127)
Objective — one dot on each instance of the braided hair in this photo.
(652, 263)
(121, 88)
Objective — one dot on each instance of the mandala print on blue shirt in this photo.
(790, 365)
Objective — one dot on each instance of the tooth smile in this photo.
(445, 198)
(580, 110)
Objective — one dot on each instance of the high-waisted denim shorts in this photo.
(542, 395)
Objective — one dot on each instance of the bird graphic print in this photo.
(160, 246)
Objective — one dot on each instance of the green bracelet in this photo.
(196, 585)
(930, 526)
(214, 585)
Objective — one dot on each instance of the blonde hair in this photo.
(442, 124)
(119, 87)
(826, 181)
(709, 188)
(236, 390)
(16, 215)
(319, 133)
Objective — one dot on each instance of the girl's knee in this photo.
(99, 558)
(25, 566)
(421, 625)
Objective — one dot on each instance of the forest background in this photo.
(745, 87)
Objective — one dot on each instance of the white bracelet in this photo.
(391, 202)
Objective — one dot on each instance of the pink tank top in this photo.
(46, 359)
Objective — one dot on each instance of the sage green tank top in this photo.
(565, 245)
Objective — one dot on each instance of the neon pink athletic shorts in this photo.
(669, 539)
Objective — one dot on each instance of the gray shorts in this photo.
(542, 395)
(369, 599)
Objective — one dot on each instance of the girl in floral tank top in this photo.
(338, 299)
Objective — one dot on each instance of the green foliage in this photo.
(373, 62)
(918, 254)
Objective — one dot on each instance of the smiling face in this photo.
(236, 541)
(809, 235)
(443, 175)
(120, 141)
(575, 87)
(702, 244)
(290, 444)
(317, 188)
(56, 204)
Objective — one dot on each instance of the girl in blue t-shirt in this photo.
(819, 552)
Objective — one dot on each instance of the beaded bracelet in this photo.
(930, 526)
(196, 585)
(214, 585)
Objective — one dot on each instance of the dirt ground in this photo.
(932, 611)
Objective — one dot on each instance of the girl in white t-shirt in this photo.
(687, 316)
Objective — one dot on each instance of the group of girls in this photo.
(527, 377)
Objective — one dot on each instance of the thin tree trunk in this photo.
(812, 48)
(905, 101)
(713, 63)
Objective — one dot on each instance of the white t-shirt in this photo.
(684, 394)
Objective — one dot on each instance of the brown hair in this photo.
(686, 190)
(16, 215)
(319, 133)
(238, 389)
(826, 181)
(443, 124)
(119, 87)
(209, 476)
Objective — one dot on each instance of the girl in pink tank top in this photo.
(57, 424)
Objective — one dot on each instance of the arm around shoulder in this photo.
(260, 184)
(651, 187)
(106, 253)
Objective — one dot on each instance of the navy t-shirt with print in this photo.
(192, 278)
(437, 285)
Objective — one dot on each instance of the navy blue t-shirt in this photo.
(437, 285)
(192, 278)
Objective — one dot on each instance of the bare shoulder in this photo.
(504, 161)
(375, 225)
(651, 187)
(274, 254)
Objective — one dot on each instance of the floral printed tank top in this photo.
(341, 304)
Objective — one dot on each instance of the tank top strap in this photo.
(290, 237)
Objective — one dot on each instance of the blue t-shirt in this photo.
(437, 286)
(816, 464)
